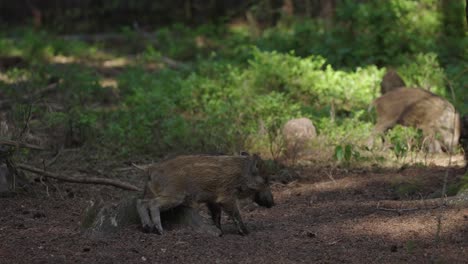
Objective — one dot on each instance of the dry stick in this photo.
(401, 209)
(54, 159)
(20, 144)
(84, 180)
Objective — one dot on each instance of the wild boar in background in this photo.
(414, 107)
(217, 181)
(391, 81)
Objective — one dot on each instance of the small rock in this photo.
(38, 215)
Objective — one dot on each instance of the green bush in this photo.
(238, 90)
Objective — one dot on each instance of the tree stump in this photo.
(297, 134)
(102, 218)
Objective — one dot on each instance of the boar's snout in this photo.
(264, 198)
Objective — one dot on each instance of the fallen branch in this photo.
(20, 144)
(400, 210)
(84, 180)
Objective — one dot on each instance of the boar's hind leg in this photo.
(232, 209)
(143, 212)
(215, 211)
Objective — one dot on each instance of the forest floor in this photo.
(329, 216)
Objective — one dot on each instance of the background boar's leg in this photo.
(143, 211)
(232, 209)
(380, 128)
(215, 211)
(162, 203)
(433, 145)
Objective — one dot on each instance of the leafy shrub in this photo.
(425, 71)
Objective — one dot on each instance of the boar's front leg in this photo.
(215, 211)
(148, 210)
(155, 216)
(232, 209)
(143, 212)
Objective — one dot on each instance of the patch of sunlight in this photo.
(118, 62)
(63, 59)
(330, 185)
(108, 82)
(420, 224)
(439, 159)
(21, 76)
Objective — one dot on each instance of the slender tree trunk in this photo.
(288, 8)
(327, 11)
(466, 11)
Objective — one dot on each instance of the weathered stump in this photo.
(102, 218)
(297, 134)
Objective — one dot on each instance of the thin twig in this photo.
(79, 179)
(54, 159)
(25, 129)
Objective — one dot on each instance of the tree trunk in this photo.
(327, 11)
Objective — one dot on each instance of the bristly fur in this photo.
(216, 180)
(419, 108)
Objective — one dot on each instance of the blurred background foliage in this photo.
(224, 76)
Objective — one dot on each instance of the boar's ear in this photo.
(244, 153)
(260, 167)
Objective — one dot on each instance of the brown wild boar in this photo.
(414, 107)
(217, 181)
(391, 81)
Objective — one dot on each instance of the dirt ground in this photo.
(332, 216)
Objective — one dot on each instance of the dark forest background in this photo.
(156, 77)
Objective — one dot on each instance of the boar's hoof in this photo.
(147, 229)
(157, 231)
(243, 231)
